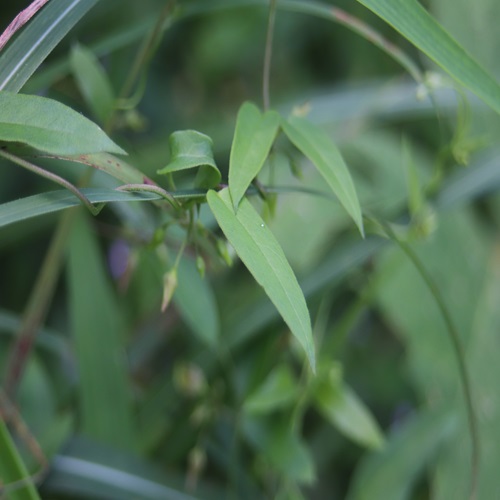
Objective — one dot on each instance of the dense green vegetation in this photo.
(249, 249)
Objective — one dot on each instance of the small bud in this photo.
(200, 265)
(169, 286)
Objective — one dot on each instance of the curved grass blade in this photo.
(50, 126)
(261, 253)
(253, 137)
(54, 201)
(422, 30)
(23, 56)
(316, 145)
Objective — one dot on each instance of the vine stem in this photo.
(459, 354)
(94, 210)
(268, 54)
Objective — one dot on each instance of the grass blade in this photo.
(420, 28)
(97, 331)
(23, 56)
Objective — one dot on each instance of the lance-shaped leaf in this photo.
(342, 407)
(253, 137)
(420, 28)
(192, 149)
(92, 82)
(262, 255)
(50, 126)
(316, 145)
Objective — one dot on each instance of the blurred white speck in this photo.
(262, 225)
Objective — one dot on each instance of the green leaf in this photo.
(279, 389)
(53, 201)
(27, 51)
(261, 253)
(195, 300)
(12, 468)
(192, 149)
(50, 126)
(253, 137)
(420, 28)
(93, 82)
(315, 144)
(98, 334)
(340, 405)
(392, 472)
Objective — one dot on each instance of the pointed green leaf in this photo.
(315, 144)
(420, 28)
(92, 82)
(99, 343)
(261, 253)
(27, 51)
(341, 406)
(253, 137)
(279, 389)
(50, 126)
(192, 149)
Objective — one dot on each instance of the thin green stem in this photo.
(94, 210)
(151, 188)
(268, 54)
(459, 354)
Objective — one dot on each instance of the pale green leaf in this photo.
(92, 82)
(50, 126)
(54, 201)
(340, 405)
(261, 253)
(316, 145)
(22, 56)
(278, 390)
(195, 300)
(97, 330)
(253, 137)
(191, 149)
(420, 28)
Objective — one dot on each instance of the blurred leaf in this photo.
(420, 28)
(342, 408)
(23, 55)
(92, 82)
(98, 334)
(191, 149)
(316, 145)
(53, 201)
(195, 300)
(50, 126)
(278, 390)
(392, 472)
(12, 468)
(253, 138)
(278, 442)
(264, 258)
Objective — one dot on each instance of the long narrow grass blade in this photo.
(21, 59)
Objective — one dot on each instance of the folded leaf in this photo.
(261, 253)
(50, 126)
(316, 145)
(192, 149)
(253, 137)
(420, 28)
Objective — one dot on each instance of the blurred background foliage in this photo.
(210, 398)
